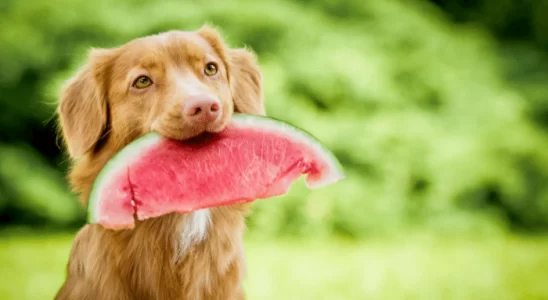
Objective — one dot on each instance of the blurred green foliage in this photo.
(436, 127)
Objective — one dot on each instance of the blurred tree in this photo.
(420, 111)
(520, 26)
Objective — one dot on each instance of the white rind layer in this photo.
(123, 158)
(131, 153)
(298, 135)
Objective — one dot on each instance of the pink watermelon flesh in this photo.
(239, 164)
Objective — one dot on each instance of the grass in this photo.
(415, 267)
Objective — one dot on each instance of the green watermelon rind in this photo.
(300, 135)
(131, 153)
(120, 159)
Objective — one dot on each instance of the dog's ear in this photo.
(246, 82)
(244, 74)
(82, 108)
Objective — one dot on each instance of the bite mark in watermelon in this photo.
(255, 157)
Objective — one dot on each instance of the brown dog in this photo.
(179, 84)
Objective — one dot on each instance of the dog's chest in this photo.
(194, 229)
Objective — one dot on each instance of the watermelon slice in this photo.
(255, 157)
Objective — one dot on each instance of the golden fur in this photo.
(100, 112)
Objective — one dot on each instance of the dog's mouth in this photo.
(186, 130)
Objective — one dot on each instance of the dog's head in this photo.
(177, 83)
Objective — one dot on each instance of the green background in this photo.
(438, 111)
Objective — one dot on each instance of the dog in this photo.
(179, 84)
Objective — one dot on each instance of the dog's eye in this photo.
(210, 69)
(142, 82)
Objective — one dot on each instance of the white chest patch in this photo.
(194, 230)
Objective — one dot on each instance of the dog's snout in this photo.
(202, 108)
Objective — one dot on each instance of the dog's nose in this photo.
(202, 108)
